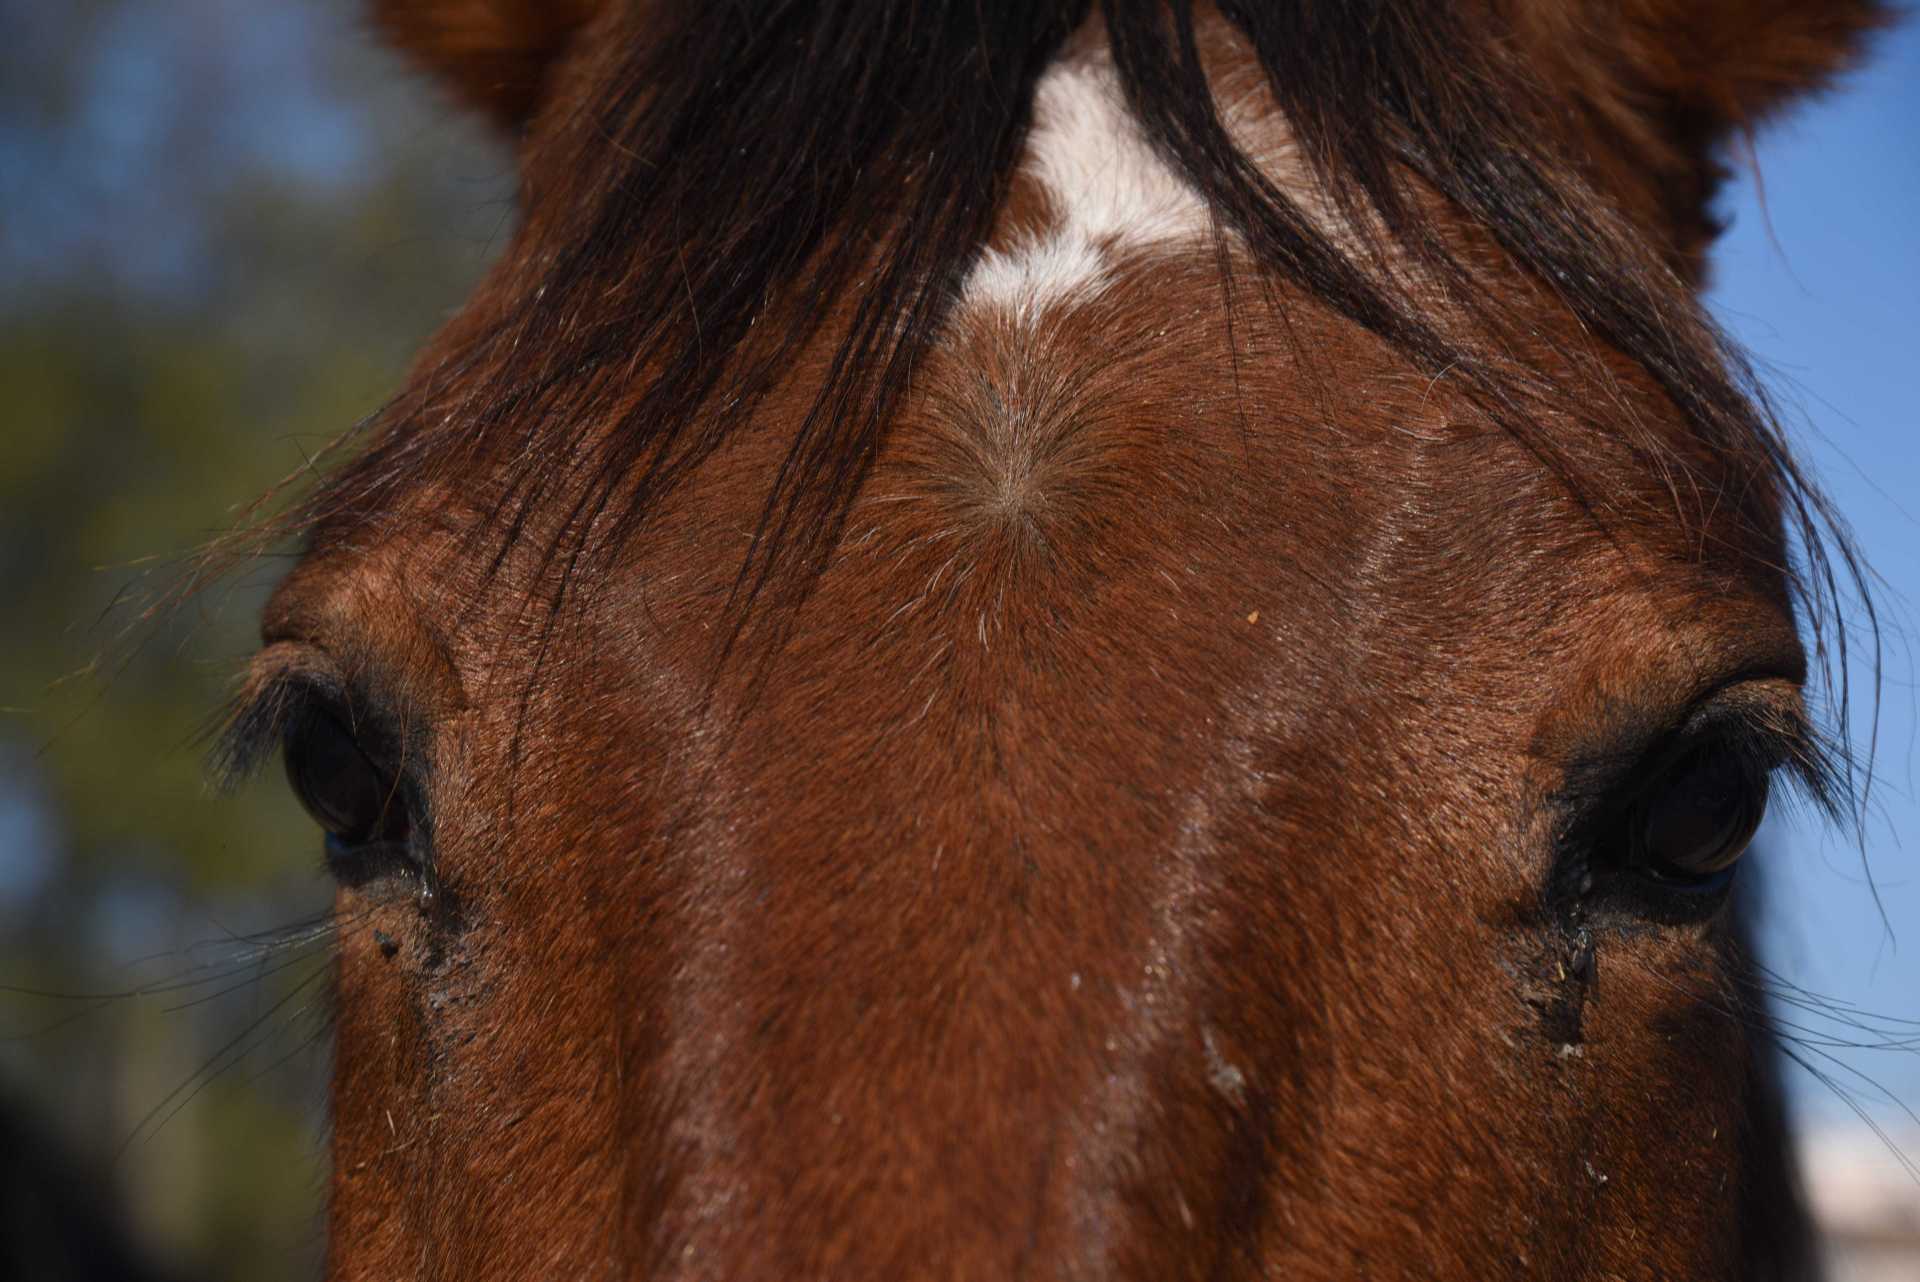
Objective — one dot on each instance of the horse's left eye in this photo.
(1696, 821)
(356, 801)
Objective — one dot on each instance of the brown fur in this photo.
(1129, 862)
(1660, 86)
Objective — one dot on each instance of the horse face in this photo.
(1224, 807)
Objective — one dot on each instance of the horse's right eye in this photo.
(356, 801)
(1692, 830)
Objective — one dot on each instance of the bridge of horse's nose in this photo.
(985, 1109)
(955, 1016)
(944, 949)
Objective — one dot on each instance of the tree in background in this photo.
(224, 227)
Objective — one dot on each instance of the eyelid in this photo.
(1770, 717)
(1761, 717)
(285, 681)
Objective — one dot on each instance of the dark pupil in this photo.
(343, 791)
(1700, 823)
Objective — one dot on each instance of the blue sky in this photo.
(1821, 280)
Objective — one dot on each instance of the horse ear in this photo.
(1664, 85)
(1732, 63)
(494, 54)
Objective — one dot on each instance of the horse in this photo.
(1036, 639)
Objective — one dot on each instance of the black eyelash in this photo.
(250, 729)
(255, 724)
(1770, 741)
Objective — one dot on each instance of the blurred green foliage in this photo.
(226, 228)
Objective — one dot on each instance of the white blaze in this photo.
(1108, 189)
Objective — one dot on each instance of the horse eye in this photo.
(1697, 821)
(341, 787)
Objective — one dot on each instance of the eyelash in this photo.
(1775, 740)
(252, 728)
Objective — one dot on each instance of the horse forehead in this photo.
(1112, 462)
(1099, 560)
(1106, 456)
